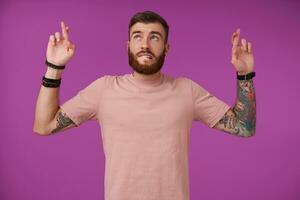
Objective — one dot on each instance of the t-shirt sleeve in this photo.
(84, 105)
(207, 108)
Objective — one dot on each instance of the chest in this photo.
(145, 112)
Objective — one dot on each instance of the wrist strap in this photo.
(52, 83)
(246, 76)
(54, 66)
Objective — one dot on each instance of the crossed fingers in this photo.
(65, 30)
(246, 46)
(57, 37)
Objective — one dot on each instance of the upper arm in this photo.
(231, 124)
(60, 122)
(207, 108)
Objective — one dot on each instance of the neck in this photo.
(146, 76)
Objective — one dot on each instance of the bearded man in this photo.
(145, 116)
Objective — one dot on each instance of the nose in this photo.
(145, 43)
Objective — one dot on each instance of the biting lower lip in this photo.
(149, 57)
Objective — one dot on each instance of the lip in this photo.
(145, 54)
(149, 57)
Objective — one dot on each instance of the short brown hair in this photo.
(149, 17)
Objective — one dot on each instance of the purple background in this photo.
(70, 165)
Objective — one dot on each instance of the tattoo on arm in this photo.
(62, 121)
(241, 120)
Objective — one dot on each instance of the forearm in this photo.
(245, 107)
(47, 103)
(241, 119)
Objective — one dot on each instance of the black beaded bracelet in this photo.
(52, 83)
(246, 76)
(54, 66)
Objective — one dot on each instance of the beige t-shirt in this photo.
(145, 126)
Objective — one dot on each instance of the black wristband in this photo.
(246, 76)
(52, 83)
(51, 80)
(54, 66)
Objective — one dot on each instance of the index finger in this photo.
(235, 37)
(64, 31)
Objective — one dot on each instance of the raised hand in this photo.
(60, 50)
(242, 55)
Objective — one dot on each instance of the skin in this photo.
(241, 119)
(151, 37)
(61, 50)
(143, 37)
(63, 121)
(49, 118)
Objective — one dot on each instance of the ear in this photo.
(127, 44)
(167, 47)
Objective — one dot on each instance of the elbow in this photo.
(40, 131)
(249, 134)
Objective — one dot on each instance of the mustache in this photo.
(148, 52)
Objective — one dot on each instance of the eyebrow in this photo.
(152, 32)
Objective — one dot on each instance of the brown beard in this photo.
(146, 69)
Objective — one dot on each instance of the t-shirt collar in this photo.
(146, 79)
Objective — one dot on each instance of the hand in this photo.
(242, 55)
(60, 50)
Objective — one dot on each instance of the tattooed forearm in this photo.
(231, 124)
(62, 121)
(241, 120)
(245, 107)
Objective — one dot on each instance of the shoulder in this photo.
(180, 80)
(188, 83)
(112, 78)
(109, 81)
(98, 83)
(195, 88)
(104, 80)
(183, 80)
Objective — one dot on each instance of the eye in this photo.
(154, 37)
(136, 37)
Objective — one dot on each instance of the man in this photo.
(145, 116)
